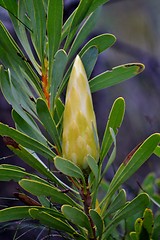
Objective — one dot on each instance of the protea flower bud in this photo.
(79, 123)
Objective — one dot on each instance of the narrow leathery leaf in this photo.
(34, 161)
(14, 167)
(21, 69)
(93, 166)
(20, 212)
(95, 4)
(148, 221)
(14, 213)
(8, 6)
(97, 220)
(128, 157)
(76, 216)
(17, 95)
(101, 42)
(157, 151)
(22, 34)
(26, 141)
(66, 26)
(60, 61)
(144, 226)
(115, 76)
(68, 168)
(113, 154)
(78, 138)
(114, 121)
(54, 29)
(69, 22)
(138, 226)
(59, 108)
(45, 202)
(155, 199)
(136, 205)
(84, 9)
(48, 122)
(26, 128)
(133, 236)
(89, 59)
(38, 20)
(41, 189)
(83, 33)
(58, 113)
(156, 226)
(50, 221)
(8, 174)
(79, 15)
(128, 169)
(118, 202)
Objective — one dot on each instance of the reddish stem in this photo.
(86, 197)
(45, 87)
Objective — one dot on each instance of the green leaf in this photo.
(93, 166)
(115, 76)
(35, 162)
(89, 59)
(79, 14)
(97, 220)
(112, 156)
(50, 221)
(83, 33)
(157, 151)
(54, 29)
(138, 204)
(156, 232)
(48, 122)
(118, 202)
(131, 165)
(17, 12)
(14, 213)
(77, 217)
(114, 121)
(144, 226)
(20, 70)
(84, 9)
(66, 26)
(60, 61)
(38, 22)
(68, 168)
(58, 115)
(133, 236)
(9, 173)
(41, 189)
(95, 4)
(20, 212)
(101, 42)
(26, 141)
(14, 167)
(17, 94)
(31, 130)
(148, 221)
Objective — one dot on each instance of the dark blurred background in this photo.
(136, 25)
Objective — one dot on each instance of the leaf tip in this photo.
(9, 142)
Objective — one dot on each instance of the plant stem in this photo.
(86, 198)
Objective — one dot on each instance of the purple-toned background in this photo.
(136, 24)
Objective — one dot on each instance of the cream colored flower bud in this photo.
(79, 123)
